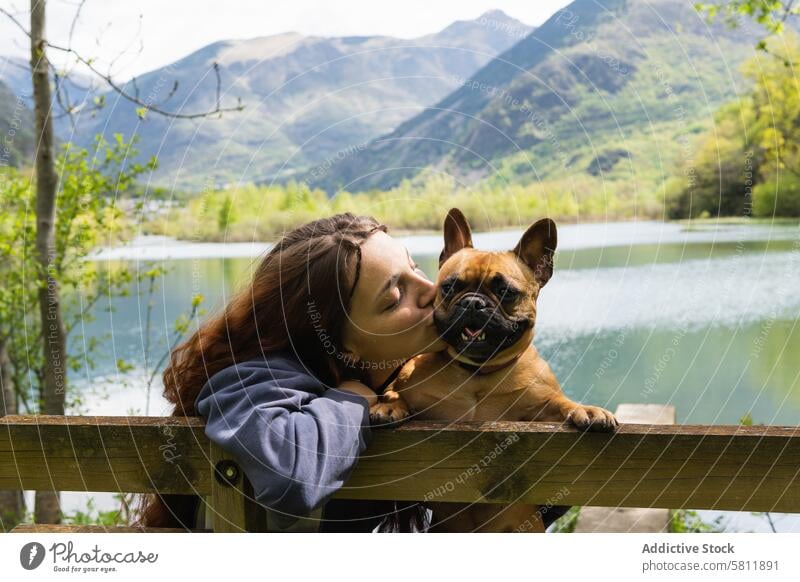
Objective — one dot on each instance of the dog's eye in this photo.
(449, 286)
(507, 294)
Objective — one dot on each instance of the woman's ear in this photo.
(348, 345)
(457, 234)
(348, 353)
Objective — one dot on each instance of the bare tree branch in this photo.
(63, 102)
(75, 21)
(155, 108)
(171, 91)
(786, 62)
(135, 88)
(787, 10)
(219, 82)
(15, 21)
(125, 50)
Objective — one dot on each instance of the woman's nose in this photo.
(427, 293)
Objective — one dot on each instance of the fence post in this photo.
(232, 506)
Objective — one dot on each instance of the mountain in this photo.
(604, 88)
(308, 100)
(16, 127)
(76, 88)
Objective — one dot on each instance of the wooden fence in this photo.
(741, 468)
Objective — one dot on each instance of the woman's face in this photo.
(391, 314)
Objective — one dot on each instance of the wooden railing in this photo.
(742, 468)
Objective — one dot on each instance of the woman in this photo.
(284, 375)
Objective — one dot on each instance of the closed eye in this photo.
(395, 304)
(401, 286)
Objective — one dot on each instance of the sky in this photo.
(152, 33)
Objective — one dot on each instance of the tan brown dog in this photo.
(485, 310)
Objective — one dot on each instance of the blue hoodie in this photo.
(298, 441)
(295, 438)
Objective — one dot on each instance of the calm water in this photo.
(706, 320)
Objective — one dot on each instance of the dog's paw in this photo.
(390, 410)
(592, 418)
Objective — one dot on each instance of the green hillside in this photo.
(606, 93)
(306, 98)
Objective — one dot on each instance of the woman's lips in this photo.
(429, 318)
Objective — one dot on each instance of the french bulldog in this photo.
(485, 310)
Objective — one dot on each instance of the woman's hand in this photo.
(356, 387)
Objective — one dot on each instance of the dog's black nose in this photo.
(473, 302)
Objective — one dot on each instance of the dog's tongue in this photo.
(471, 333)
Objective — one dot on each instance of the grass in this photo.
(262, 213)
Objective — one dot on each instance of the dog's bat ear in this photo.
(536, 248)
(457, 234)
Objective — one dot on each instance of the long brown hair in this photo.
(303, 285)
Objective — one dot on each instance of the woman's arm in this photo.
(356, 387)
(296, 440)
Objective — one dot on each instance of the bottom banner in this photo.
(599, 556)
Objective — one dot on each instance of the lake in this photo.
(705, 319)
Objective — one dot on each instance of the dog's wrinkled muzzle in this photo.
(478, 327)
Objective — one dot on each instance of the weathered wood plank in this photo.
(745, 468)
(740, 468)
(630, 519)
(104, 453)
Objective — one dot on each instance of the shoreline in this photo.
(572, 236)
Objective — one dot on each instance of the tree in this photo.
(86, 214)
(53, 382)
(772, 15)
(712, 182)
(775, 100)
(17, 297)
(54, 335)
(749, 161)
(227, 215)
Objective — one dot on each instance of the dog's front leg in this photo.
(390, 409)
(582, 416)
